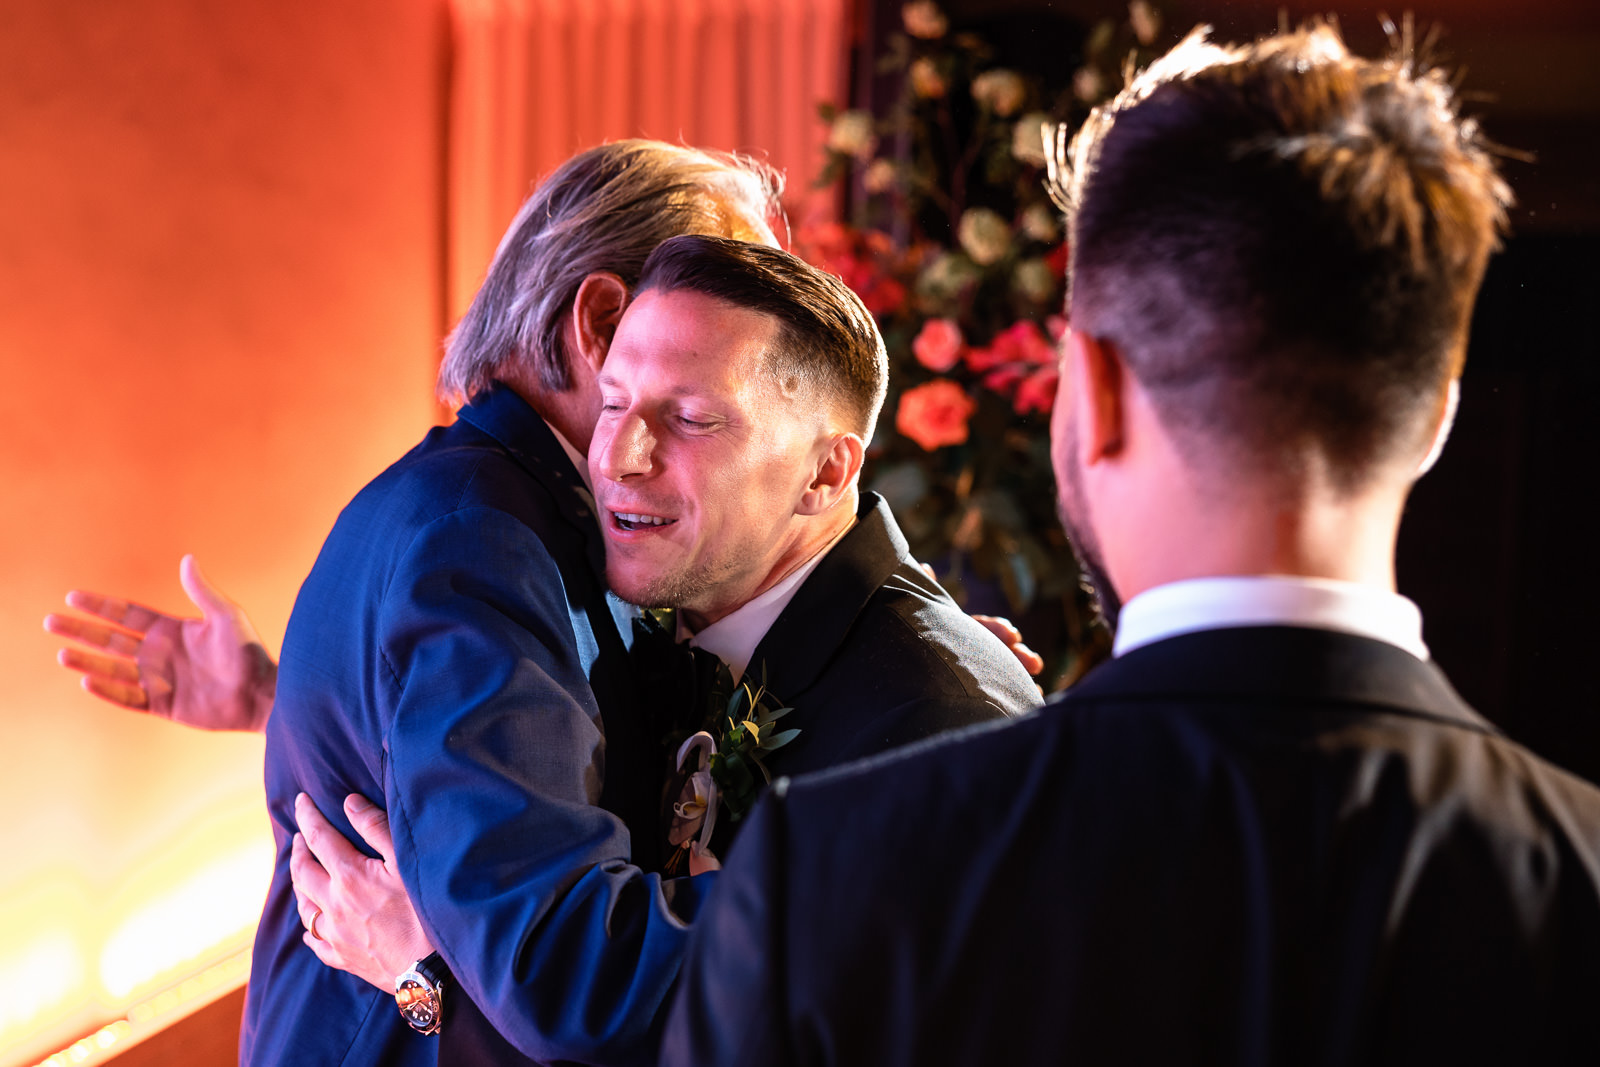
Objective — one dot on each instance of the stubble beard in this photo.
(679, 588)
(1075, 520)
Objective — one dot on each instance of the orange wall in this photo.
(220, 303)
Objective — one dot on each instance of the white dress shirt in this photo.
(1269, 600)
(734, 637)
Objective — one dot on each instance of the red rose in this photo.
(935, 414)
(1057, 258)
(1021, 342)
(882, 296)
(938, 344)
(1037, 393)
(1004, 378)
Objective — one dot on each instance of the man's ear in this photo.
(835, 475)
(1441, 432)
(1099, 392)
(596, 309)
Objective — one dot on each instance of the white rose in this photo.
(1002, 91)
(852, 134)
(984, 235)
(1027, 138)
(945, 277)
(1034, 280)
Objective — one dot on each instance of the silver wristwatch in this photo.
(419, 993)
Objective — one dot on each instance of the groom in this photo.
(737, 398)
(1267, 831)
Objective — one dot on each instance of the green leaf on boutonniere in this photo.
(744, 733)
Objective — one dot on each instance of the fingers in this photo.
(1001, 628)
(107, 677)
(119, 693)
(308, 909)
(323, 950)
(309, 877)
(306, 870)
(124, 613)
(1031, 661)
(92, 634)
(95, 665)
(1011, 637)
(372, 823)
(325, 843)
(207, 597)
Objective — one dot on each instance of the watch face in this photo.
(418, 1004)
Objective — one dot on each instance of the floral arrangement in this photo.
(954, 246)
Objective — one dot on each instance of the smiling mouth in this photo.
(626, 521)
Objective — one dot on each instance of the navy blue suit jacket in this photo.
(1255, 846)
(451, 656)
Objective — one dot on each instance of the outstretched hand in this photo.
(212, 672)
(354, 908)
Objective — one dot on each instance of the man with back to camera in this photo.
(1267, 831)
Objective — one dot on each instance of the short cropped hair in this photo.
(605, 209)
(1284, 241)
(827, 340)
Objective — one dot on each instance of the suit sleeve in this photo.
(493, 770)
(731, 1004)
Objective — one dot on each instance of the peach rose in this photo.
(938, 344)
(935, 414)
(922, 18)
(926, 81)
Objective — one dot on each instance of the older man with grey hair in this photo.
(455, 652)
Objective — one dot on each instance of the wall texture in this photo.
(221, 279)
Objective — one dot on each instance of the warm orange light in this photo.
(52, 962)
(153, 1015)
(216, 906)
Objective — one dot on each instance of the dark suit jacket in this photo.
(450, 656)
(1249, 846)
(871, 654)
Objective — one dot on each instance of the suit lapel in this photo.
(810, 629)
(499, 412)
(1282, 664)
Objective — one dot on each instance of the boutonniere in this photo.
(721, 763)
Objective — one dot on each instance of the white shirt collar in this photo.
(1269, 600)
(734, 637)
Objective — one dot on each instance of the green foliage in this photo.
(745, 732)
